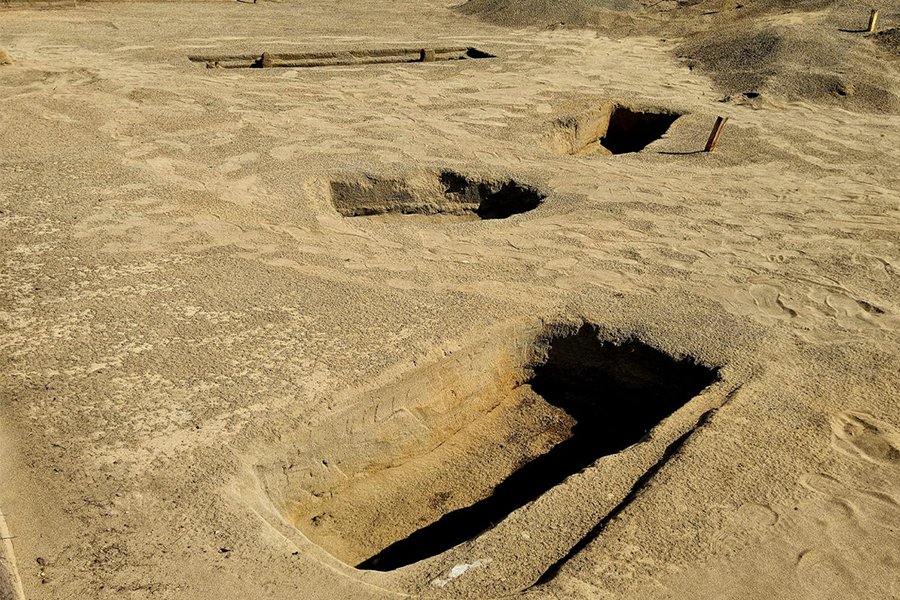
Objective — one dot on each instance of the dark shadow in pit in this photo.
(616, 393)
(493, 201)
(632, 131)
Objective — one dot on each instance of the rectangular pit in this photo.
(338, 58)
(600, 397)
(433, 194)
(608, 129)
(454, 448)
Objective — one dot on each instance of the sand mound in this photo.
(653, 16)
(889, 39)
(812, 51)
(794, 63)
(546, 13)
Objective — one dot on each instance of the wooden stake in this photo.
(873, 20)
(716, 132)
(427, 54)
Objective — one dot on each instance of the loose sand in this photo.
(260, 326)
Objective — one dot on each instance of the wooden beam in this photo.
(873, 20)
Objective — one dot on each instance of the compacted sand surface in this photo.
(479, 328)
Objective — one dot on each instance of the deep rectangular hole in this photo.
(433, 195)
(614, 393)
(607, 129)
(632, 131)
(339, 58)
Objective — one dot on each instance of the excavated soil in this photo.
(814, 51)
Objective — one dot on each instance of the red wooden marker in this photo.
(716, 132)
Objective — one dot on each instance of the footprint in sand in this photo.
(822, 574)
(862, 435)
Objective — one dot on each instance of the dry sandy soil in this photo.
(261, 326)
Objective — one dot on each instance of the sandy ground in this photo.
(195, 341)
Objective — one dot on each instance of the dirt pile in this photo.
(547, 13)
(889, 40)
(794, 63)
(813, 51)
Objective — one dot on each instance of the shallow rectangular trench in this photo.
(266, 60)
(433, 194)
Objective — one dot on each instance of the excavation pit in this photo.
(453, 449)
(605, 397)
(609, 129)
(266, 60)
(445, 196)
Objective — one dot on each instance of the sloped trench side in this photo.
(431, 194)
(608, 129)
